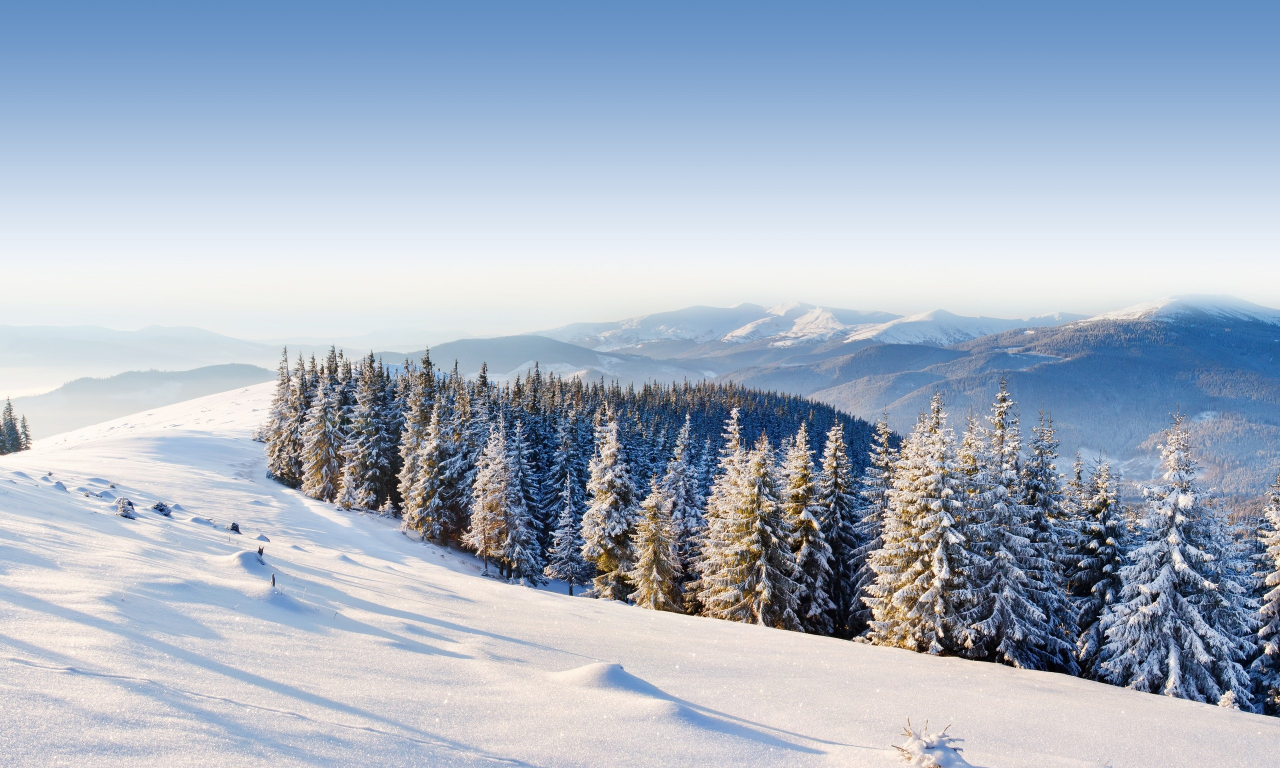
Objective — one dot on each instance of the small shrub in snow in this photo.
(124, 508)
(931, 751)
(161, 508)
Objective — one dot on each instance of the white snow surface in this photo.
(160, 641)
(1174, 307)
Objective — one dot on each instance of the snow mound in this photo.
(59, 486)
(602, 676)
(202, 521)
(23, 475)
(937, 750)
(243, 562)
(261, 537)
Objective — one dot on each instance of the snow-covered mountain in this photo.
(941, 328)
(1175, 308)
(164, 641)
(787, 323)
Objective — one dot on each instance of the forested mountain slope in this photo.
(161, 641)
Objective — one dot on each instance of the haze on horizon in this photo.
(307, 170)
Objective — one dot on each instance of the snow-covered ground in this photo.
(161, 641)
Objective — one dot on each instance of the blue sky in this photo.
(273, 168)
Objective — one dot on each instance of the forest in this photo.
(732, 503)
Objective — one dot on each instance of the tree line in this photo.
(14, 434)
(736, 504)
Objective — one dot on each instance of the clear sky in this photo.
(269, 168)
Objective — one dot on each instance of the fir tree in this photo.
(426, 505)
(566, 561)
(322, 441)
(521, 551)
(1095, 578)
(812, 554)
(610, 519)
(368, 448)
(753, 576)
(716, 535)
(1266, 668)
(1166, 635)
(680, 488)
(419, 412)
(919, 570)
(279, 458)
(837, 499)
(877, 480)
(10, 435)
(656, 573)
(1007, 622)
(25, 432)
(491, 493)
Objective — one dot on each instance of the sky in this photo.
(264, 169)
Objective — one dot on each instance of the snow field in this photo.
(160, 641)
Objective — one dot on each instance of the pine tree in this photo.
(837, 499)
(715, 537)
(610, 519)
(288, 420)
(753, 576)
(1166, 635)
(919, 570)
(874, 486)
(1095, 578)
(322, 441)
(656, 573)
(491, 495)
(426, 504)
(566, 561)
(25, 431)
(812, 553)
(368, 448)
(680, 487)
(10, 436)
(1007, 622)
(521, 550)
(419, 411)
(1266, 668)
(1053, 535)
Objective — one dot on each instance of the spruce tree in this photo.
(322, 441)
(753, 576)
(680, 487)
(812, 554)
(368, 447)
(836, 497)
(610, 519)
(874, 486)
(656, 573)
(1094, 580)
(1166, 634)
(276, 430)
(919, 569)
(26, 434)
(491, 493)
(1266, 668)
(716, 535)
(565, 557)
(419, 411)
(426, 504)
(521, 550)
(1009, 575)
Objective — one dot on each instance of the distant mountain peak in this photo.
(1192, 305)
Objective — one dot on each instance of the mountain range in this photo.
(1110, 382)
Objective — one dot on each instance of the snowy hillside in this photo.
(161, 641)
(941, 328)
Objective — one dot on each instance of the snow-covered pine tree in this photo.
(874, 487)
(322, 442)
(680, 487)
(1266, 668)
(25, 432)
(812, 554)
(610, 519)
(656, 573)
(837, 499)
(368, 448)
(753, 576)
(281, 459)
(1094, 579)
(425, 501)
(491, 493)
(530, 481)
(521, 551)
(419, 411)
(1013, 578)
(565, 557)
(1161, 636)
(715, 536)
(919, 569)
(10, 436)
